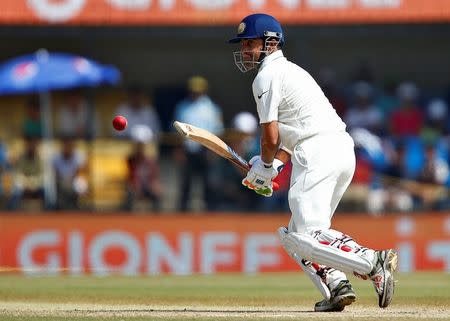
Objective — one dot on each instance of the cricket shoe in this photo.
(341, 296)
(382, 276)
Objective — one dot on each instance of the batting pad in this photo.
(308, 248)
(309, 270)
(315, 278)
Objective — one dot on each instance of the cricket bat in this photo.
(215, 144)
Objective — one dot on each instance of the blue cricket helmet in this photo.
(259, 25)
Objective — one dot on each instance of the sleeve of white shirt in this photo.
(267, 94)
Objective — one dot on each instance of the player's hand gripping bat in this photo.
(215, 144)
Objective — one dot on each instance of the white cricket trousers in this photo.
(322, 169)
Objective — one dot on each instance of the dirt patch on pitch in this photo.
(24, 309)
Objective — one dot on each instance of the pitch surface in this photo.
(419, 296)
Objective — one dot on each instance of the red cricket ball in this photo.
(119, 123)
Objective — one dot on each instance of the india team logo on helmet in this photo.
(241, 28)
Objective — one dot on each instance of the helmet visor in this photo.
(245, 60)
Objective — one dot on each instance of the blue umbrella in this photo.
(44, 71)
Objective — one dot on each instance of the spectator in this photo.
(393, 194)
(437, 121)
(225, 179)
(387, 101)
(74, 120)
(407, 119)
(143, 172)
(138, 110)
(70, 184)
(199, 110)
(434, 174)
(245, 126)
(28, 178)
(32, 125)
(435, 169)
(364, 113)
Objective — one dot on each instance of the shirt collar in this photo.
(273, 56)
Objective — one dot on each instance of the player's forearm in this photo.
(270, 141)
(268, 151)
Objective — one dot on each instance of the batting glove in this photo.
(259, 177)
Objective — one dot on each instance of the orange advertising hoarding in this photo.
(136, 245)
(217, 12)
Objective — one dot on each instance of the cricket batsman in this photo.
(299, 124)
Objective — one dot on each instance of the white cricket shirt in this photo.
(286, 93)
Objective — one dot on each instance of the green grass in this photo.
(169, 295)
